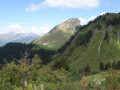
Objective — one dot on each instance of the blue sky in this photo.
(39, 16)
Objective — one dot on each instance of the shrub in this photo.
(95, 72)
(112, 80)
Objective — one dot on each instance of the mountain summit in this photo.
(59, 34)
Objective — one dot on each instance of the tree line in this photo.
(13, 51)
(114, 65)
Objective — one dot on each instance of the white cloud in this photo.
(42, 30)
(103, 13)
(85, 4)
(11, 28)
(83, 21)
(34, 30)
(15, 27)
(45, 28)
(18, 29)
(34, 7)
(92, 18)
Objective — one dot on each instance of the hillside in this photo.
(97, 41)
(15, 51)
(14, 37)
(59, 34)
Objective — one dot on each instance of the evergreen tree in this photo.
(87, 69)
(106, 35)
(61, 63)
(114, 65)
(118, 65)
(37, 61)
(107, 66)
(85, 38)
(75, 74)
(101, 66)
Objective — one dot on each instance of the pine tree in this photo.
(37, 61)
(107, 66)
(114, 65)
(87, 69)
(118, 65)
(101, 66)
(106, 35)
(61, 63)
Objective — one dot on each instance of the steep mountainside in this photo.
(13, 37)
(59, 34)
(97, 41)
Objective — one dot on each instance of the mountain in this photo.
(59, 34)
(98, 41)
(14, 37)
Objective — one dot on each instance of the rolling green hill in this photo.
(59, 34)
(95, 42)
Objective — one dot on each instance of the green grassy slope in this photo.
(98, 41)
(59, 34)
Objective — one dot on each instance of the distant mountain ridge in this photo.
(61, 33)
(14, 37)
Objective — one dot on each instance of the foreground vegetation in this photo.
(28, 73)
(31, 74)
